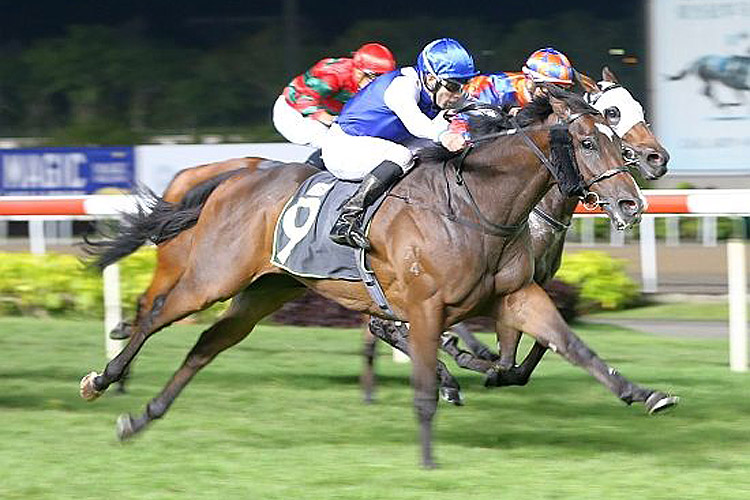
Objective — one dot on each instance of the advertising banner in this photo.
(700, 81)
(66, 171)
(158, 164)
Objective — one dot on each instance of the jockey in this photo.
(367, 140)
(512, 91)
(306, 108)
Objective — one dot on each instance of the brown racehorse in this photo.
(551, 219)
(549, 222)
(436, 268)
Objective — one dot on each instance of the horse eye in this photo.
(612, 115)
(587, 144)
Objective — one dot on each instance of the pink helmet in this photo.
(549, 65)
(374, 58)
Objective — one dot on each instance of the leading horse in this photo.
(443, 252)
(549, 223)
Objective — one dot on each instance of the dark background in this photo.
(86, 72)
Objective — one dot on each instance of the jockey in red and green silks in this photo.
(512, 91)
(309, 103)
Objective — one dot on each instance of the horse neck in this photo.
(508, 179)
(558, 206)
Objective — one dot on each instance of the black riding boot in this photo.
(348, 230)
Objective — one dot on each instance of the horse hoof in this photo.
(492, 378)
(657, 402)
(452, 395)
(87, 390)
(125, 427)
(121, 331)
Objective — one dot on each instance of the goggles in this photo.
(452, 84)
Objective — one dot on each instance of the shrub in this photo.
(566, 298)
(57, 284)
(601, 279)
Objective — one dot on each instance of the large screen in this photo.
(700, 83)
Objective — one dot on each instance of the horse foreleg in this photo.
(426, 324)
(530, 310)
(248, 307)
(506, 372)
(398, 338)
(474, 344)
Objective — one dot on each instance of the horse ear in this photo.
(559, 107)
(608, 75)
(588, 83)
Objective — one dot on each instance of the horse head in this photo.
(597, 150)
(625, 115)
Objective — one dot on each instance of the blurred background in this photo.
(90, 72)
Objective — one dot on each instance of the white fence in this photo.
(662, 203)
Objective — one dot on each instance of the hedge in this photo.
(56, 285)
(601, 279)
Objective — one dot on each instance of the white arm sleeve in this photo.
(402, 96)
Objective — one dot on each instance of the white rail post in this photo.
(588, 235)
(708, 231)
(648, 254)
(737, 278)
(616, 237)
(37, 245)
(112, 309)
(672, 231)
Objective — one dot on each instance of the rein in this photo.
(557, 226)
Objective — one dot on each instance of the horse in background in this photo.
(730, 71)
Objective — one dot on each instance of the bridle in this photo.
(629, 155)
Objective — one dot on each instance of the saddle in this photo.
(301, 243)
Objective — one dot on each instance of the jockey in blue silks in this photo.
(367, 140)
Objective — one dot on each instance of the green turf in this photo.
(688, 311)
(280, 417)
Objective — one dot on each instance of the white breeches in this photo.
(296, 128)
(351, 157)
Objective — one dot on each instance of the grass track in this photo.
(279, 417)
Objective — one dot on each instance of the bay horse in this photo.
(549, 223)
(436, 268)
(551, 219)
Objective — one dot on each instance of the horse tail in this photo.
(156, 220)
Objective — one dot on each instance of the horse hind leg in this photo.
(548, 327)
(247, 308)
(169, 269)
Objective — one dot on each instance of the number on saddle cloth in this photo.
(301, 243)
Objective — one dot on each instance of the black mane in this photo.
(495, 120)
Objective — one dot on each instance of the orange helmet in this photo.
(549, 65)
(374, 58)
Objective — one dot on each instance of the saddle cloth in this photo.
(301, 244)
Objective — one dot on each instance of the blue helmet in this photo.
(446, 58)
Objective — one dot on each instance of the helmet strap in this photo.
(434, 90)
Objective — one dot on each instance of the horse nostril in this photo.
(629, 207)
(657, 159)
